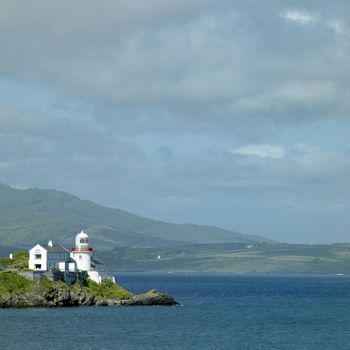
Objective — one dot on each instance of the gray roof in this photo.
(96, 261)
(55, 249)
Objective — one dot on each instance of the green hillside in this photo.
(233, 257)
(33, 215)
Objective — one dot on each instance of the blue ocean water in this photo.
(220, 311)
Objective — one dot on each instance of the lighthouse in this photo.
(82, 253)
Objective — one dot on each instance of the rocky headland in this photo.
(18, 292)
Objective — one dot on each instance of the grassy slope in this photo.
(265, 258)
(19, 261)
(107, 290)
(34, 215)
(10, 282)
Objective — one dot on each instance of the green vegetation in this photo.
(106, 290)
(49, 285)
(11, 282)
(33, 216)
(19, 261)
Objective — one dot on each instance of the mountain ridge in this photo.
(35, 215)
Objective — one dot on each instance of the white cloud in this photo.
(298, 16)
(336, 25)
(304, 95)
(300, 161)
(304, 17)
(264, 151)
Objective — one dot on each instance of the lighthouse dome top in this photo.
(82, 234)
(82, 240)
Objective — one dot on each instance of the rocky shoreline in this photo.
(67, 297)
(151, 298)
(39, 294)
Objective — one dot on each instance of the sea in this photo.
(218, 311)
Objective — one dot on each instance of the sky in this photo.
(226, 113)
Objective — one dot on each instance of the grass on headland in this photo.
(106, 290)
(19, 261)
(48, 284)
(11, 282)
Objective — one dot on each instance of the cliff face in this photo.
(17, 291)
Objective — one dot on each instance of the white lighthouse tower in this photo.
(83, 255)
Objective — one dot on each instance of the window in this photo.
(37, 266)
(37, 256)
(80, 257)
(84, 240)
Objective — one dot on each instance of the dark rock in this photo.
(151, 298)
(80, 297)
(101, 302)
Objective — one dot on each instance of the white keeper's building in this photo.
(80, 258)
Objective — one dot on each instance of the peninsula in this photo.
(20, 292)
(51, 276)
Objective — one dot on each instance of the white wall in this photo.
(72, 267)
(95, 276)
(63, 266)
(83, 260)
(33, 261)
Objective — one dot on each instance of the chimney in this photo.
(50, 243)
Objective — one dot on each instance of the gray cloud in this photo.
(222, 73)
(183, 66)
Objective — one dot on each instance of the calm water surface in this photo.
(220, 311)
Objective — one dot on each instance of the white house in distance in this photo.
(50, 257)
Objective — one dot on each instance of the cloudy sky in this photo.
(228, 113)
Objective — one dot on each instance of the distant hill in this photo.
(34, 215)
(233, 257)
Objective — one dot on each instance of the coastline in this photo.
(18, 292)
